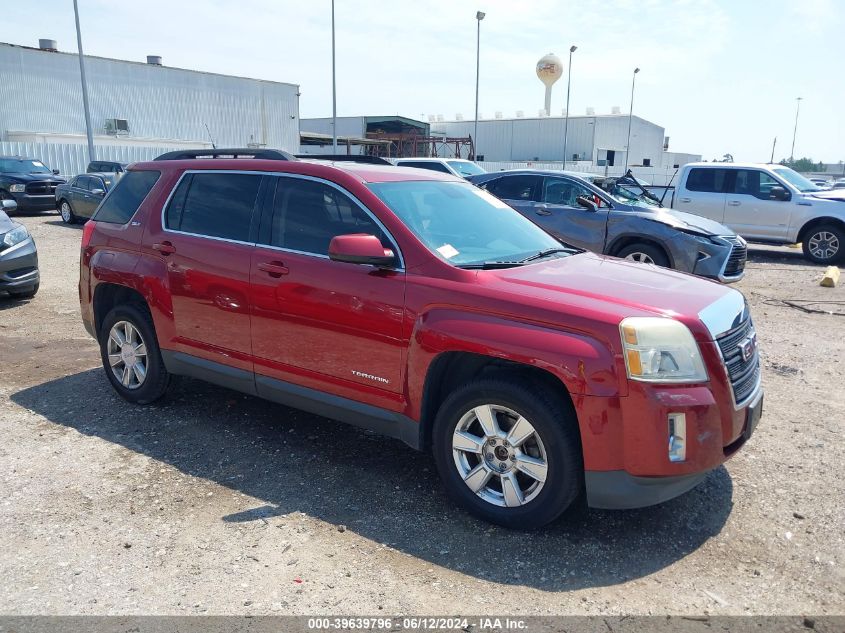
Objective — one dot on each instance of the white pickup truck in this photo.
(771, 204)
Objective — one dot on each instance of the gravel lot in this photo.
(217, 503)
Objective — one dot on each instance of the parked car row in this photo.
(419, 305)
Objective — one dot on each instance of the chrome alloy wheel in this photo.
(499, 455)
(127, 355)
(64, 211)
(642, 258)
(823, 245)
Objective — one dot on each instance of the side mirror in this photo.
(56, 172)
(778, 193)
(584, 201)
(8, 205)
(360, 248)
(98, 192)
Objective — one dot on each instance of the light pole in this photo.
(334, 92)
(630, 115)
(795, 130)
(572, 49)
(479, 15)
(89, 134)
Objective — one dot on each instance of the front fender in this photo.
(585, 365)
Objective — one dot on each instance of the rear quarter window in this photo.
(126, 196)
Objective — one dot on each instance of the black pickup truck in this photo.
(29, 182)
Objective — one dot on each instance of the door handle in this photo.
(165, 248)
(734, 203)
(684, 199)
(274, 269)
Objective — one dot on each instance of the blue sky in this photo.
(720, 76)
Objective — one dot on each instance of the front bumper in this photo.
(33, 202)
(19, 266)
(723, 261)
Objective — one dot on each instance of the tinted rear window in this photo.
(710, 180)
(214, 204)
(126, 196)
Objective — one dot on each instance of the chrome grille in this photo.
(736, 260)
(744, 373)
(41, 188)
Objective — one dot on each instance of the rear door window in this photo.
(707, 180)
(126, 196)
(214, 204)
(523, 187)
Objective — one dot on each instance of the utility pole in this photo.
(774, 144)
(630, 115)
(91, 154)
(334, 92)
(479, 15)
(795, 130)
(572, 49)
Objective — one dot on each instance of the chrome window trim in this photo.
(270, 174)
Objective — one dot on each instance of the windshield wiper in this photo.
(489, 265)
(546, 253)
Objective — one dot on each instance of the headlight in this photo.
(17, 188)
(661, 350)
(15, 236)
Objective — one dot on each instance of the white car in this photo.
(455, 166)
(770, 204)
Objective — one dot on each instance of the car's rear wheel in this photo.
(509, 452)
(66, 211)
(824, 244)
(645, 254)
(131, 356)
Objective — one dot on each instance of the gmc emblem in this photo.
(746, 347)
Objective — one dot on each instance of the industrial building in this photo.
(599, 140)
(139, 104)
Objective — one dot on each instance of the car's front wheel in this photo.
(824, 244)
(644, 254)
(131, 356)
(509, 452)
(66, 211)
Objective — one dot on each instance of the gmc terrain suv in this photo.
(416, 304)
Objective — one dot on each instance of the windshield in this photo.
(795, 179)
(465, 167)
(22, 166)
(462, 224)
(632, 196)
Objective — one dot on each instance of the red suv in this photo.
(413, 303)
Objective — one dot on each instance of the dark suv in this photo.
(418, 305)
(28, 182)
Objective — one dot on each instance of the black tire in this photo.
(157, 377)
(655, 253)
(24, 293)
(70, 217)
(829, 238)
(554, 422)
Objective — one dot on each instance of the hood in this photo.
(6, 224)
(833, 194)
(21, 177)
(612, 289)
(689, 222)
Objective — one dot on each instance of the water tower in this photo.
(549, 70)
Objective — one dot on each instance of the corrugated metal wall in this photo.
(42, 93)
(71, 158)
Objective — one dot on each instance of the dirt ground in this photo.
(217, 503)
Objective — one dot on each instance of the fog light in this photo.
(677, 437)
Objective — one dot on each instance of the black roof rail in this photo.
(348, 158)
(264, 154)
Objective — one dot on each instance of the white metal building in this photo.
(597, 139)
(143, 104)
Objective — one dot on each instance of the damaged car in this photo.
(626, 222)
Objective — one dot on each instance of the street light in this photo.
(479, 15)
(85, 107)
(334, 92)
(630, 115)
(795, 131)
(572, 49)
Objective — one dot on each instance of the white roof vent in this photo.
(48, 45)
(498, 114)
(459, 117)
(520, 114)
(154, 60)
(616, 110)
(591, 111)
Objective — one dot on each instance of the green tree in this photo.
(803, 165)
